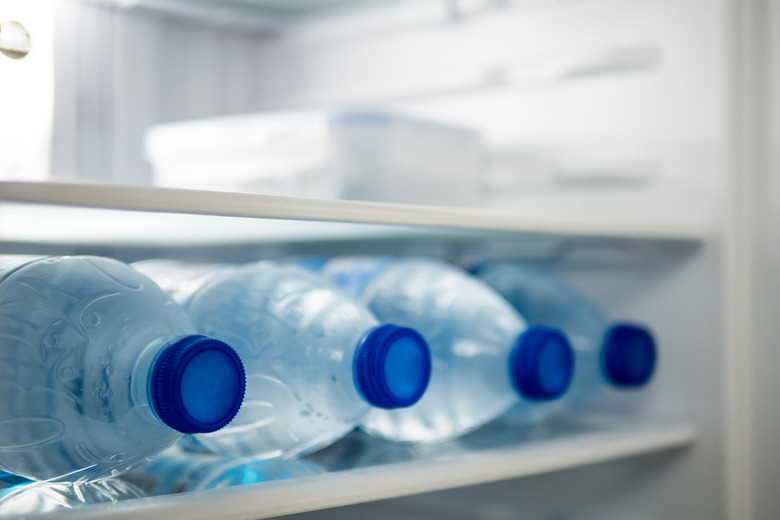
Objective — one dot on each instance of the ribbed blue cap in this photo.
(628, 355)
(541, 364)
(392, 366)
(197, 384)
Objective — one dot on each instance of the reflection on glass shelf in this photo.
(263, 15)
(361, 469)
(361, 450)
(39, 498)
(285, 8)
(179, 471)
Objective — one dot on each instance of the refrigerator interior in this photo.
(616, 148)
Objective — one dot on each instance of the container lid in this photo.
(541, 364)
(392, 366)
(628, 355)
(197, 384)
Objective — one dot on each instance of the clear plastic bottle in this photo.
(179, 471)
(101, 370)
(9, 481)
(316, 360)
(485, 357)
(616, 355)
(177, 278)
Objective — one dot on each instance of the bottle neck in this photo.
(392, 366)
(192, 383)
(541, 364)
(140, 377)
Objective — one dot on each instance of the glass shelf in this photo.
(65, 213)
(360, 469)
(357, 469)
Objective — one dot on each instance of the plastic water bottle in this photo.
(101, 370)
(316, 360)
(40, 498)
(485, 357)
(179, 279)
(179, 471)
(607, 355)
(9, 481)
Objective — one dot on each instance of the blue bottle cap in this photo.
(392, 366)
(196, 384)
(628, 355)
(541, 364)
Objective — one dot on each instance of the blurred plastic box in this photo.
(357, 155)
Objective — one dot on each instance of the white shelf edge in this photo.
(341, 488)
(197, 202)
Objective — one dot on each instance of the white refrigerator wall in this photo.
(530, 75)
(753, 297)
(618, 106)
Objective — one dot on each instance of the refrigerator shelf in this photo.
(477, 459)
(70, 213)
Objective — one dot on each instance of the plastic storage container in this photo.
(616, 355)
(353, 154)
(485, 357)
(101, 370)
(317, 361)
